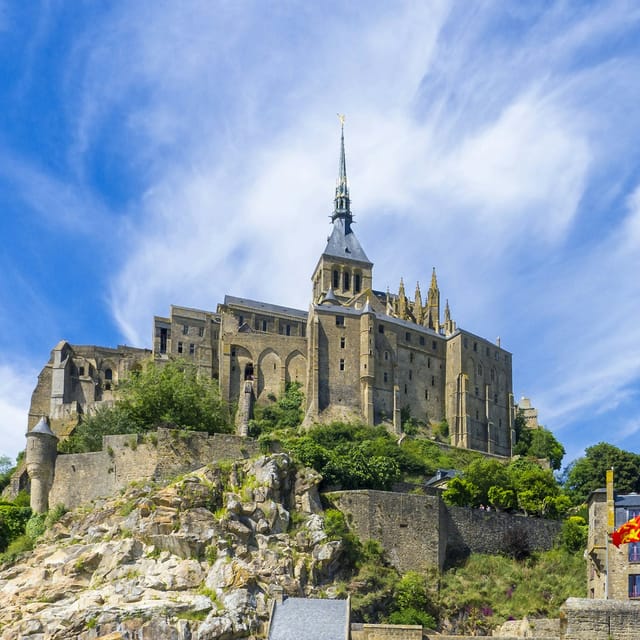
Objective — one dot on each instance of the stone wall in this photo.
(386, 632)
(418, 532)
(82, 477)
(600, 619)
(406, 525)
(477, 531)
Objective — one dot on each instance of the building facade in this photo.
(612, 572)
(359, 353)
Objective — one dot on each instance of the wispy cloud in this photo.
(16, 384)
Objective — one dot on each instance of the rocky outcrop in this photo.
(196, 559)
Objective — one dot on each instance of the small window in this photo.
(488, 351)
(108, 374)
(264, 325)
(107, 386)
(407, 336)
(426, 394)
(410, 374)
(385, 377)
(163, 340)
(336, 279)
(342, 342)
(405, 389)
(386, 355)
(434, 345)
(233, 353)
(185, 329)
(201, 331)
(357, 284)
(192, 349)
(433, 381)
(339, 321)
(80, 371)
(477, 415)
(465, 342)
(346, 280)
(477, 391)
(180, 347)
(475, 346)
(422, 341)
(240, 320)
(380, 328)
(411, 357)
(479, 369)
(341, 364)
(428, 363)
(288, 330)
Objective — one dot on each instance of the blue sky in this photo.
(169, 152)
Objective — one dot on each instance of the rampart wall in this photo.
(582, 618)
(82, 477)
(418, 532)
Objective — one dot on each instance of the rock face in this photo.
(197, 559)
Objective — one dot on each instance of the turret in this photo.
(40, 461)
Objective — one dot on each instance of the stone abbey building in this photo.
(359, 354)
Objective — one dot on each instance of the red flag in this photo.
(628, 532)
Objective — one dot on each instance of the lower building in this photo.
(612, 572)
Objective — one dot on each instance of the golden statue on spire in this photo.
(342, 118)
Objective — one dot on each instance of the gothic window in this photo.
(357, 282)
(342, 342)
(179, 347)
(339, 321)
(341, 364)
(346, 280)
(336, 279)
(185, 329)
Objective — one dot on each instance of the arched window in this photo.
(357, 282)
(108, 374)
(336, 279)
(248, 371)
(346, 278)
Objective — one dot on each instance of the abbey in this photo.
(359, 353)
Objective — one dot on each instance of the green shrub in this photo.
(573, 535)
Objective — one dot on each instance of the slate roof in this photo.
(232, 301)
(43, 427)
(343, 244)
(310, 619)
(628, 501)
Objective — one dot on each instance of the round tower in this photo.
(41, 460)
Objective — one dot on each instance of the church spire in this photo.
(342, 203)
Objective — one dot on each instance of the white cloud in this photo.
(16, 386)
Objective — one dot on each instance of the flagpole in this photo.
(611, 523)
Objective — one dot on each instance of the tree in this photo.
(412, 601)
(169, 394)
(545, 445)
(588, 473)
(6, 469)
(536, 488)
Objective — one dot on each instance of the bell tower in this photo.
(343, 271)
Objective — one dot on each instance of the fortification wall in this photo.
(386, 632)
(419, 532)
(476, 531)
(406, 525)
(82, 477)
(600, 619)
